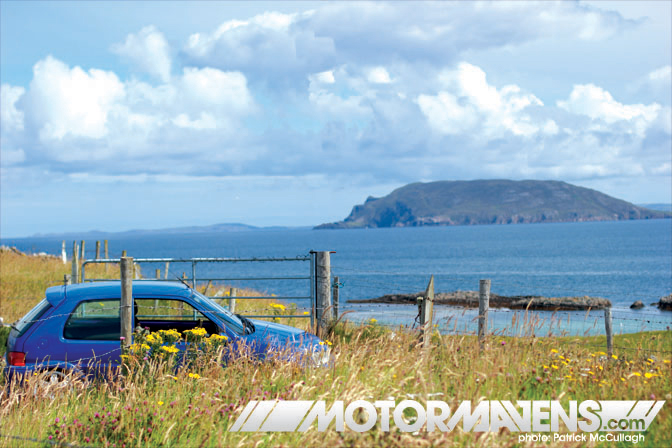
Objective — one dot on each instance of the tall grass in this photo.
(166, 409)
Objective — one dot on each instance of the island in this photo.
(449, 203)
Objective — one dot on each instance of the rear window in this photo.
(97, 320)
(33, 315)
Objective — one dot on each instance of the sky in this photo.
(128, 115)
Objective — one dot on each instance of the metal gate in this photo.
(308, 260)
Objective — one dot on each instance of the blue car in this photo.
(76, 328)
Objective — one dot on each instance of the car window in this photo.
(166, 309)
(33, 315)
(171, 314)
(94, 320)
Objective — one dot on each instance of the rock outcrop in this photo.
(469, 299)
(665, 303)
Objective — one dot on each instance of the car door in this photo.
(91, 335)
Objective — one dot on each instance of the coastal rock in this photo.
(665, 303)
(469, 299)
(637, 305)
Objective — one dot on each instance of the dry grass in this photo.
(371, 363)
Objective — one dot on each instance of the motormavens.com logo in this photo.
(409, 416)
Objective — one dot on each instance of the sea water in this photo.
(623, 261)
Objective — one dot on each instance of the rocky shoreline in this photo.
(469, 299)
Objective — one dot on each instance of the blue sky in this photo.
(121, 115)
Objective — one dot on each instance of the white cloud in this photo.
(379, 75)
(205, 121)
(662, 75)
(10, 117)
(597, 103)
(149, 50)
(210, 86)
(445, 115)
(62, 101)
(326, 77)
(470, 101)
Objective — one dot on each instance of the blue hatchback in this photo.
(77, 327)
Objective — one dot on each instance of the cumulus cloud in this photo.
(62, 101)
(598, 104)
(378, 75)
(471, 102)
(148, 50)
(72, 115)
(661, 75)
(293, 46)
(10, 117)
(212, 87)
(366, 89)
(325, 77)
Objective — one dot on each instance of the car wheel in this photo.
(50, 383)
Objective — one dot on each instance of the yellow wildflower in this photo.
(160, 403)
(373, 321)
(170, 349)
(200, 331)
(554, 366)
(194, 376)
(614, 356)
(554, 350)
(648, 375)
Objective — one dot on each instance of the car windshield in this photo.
(231, 319)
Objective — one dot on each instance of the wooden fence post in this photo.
(98, 250)
(232, 299)
(82, 255)
(126, 304)
(67, 279)
(335, 295)
(608, 329)
(427, 314)
(64, 256)
(324, 311)
(107, 255)
(75, 262)
(158, 274)
(165, 275)
(483, 305)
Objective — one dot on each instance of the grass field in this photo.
(153, 407)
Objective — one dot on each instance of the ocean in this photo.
(623, 261)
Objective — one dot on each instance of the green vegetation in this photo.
(490, 202)
(153, 406)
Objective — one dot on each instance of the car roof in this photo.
(112, 290)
